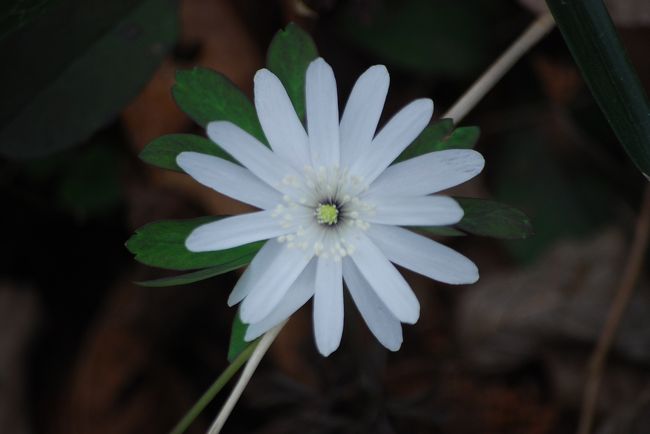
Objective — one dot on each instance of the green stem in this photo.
(209, 394)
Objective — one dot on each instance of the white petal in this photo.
(385, 280)
(235, 231)
(279, 120)
(328, 305)
(383, 324)
(272, 283)
(246, 149)
(322, 114)
(428, 173)
(262, 260)
(423, 255)
(362, 112)
(416, 211)
(228, 178)
(297, 295)
(398, 133)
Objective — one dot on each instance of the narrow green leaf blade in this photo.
(162, 244)
(288, 57)
(162, 152)
(493, 219)
(237, 342)
(206, 96)
(439, 136)
(592, 39)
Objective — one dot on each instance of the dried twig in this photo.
(536, 31)
(249, 370)
(621, 299)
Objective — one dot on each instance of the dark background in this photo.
(85, 350)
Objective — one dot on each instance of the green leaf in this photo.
(439, 136)
(237, 342)
(590, 34)
(206, 96)
(89, 182)
(196, 276)
(162, 244)
(461, 138)
(98, 56)
(493, 219)
(567, 204)
(288, 57)
(15, 14)
(162, 152)
(441, 231)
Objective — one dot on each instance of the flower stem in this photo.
(246, 375)
(209, 394)
(536, 31)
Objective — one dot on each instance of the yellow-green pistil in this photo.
(327, 214)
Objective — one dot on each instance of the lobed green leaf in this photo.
(206, 96)
(196, 276)
(493, 219)
(440, 231)
(439, 136)
(162, 244)
(486, 218)
(162, 152)
(288, 57)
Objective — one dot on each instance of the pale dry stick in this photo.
(617, 309)
(245, 377)
(540, 27)
(533, 34)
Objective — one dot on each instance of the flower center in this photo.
(327, 213)
(324, 210)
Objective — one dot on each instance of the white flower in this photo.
(332, 206)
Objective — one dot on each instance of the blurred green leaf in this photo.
(237, 342)
(206, 96)
(196, 276)
(288, 57)
(90, 183)
(162, 244)
(561, 200)
(439, 136)
(425, 37)
(162, 152)
(15, 14)
(489, 218)
(71, 70)
(590, 34)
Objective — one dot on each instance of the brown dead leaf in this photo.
(213, 29)
(560, 81)
(19, 315)
(553, 312)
